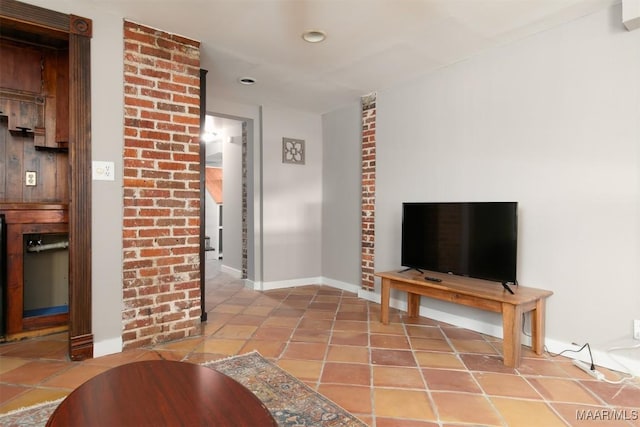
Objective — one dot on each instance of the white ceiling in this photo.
(371, 44)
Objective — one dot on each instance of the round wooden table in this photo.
(161, 393)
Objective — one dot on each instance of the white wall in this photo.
(553, 123)
(341, 174)
(232, 205)
(292, 197)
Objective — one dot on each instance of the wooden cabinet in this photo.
(21, 220)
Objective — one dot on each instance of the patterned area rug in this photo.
(290, 401)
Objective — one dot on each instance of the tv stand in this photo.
(474, 293)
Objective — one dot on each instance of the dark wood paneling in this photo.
(81, 342)
(40, 25)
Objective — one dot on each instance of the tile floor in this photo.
(408, 373)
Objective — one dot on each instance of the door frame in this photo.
(78, 31)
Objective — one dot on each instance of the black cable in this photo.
(593, 366)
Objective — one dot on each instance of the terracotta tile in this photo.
(527, 413)
(352, 315)
(428, 332)
(355, 399)
(258, 310)
(319, 314)
(185, 345)
(281, 322)
(506, 385)
(34, 372)
(302, 369)
(33, 397)
(267, 348)
(450, 380)
(547, 368)
(350, 325)
(623, 395)
(230, 309)
(318, 324)
(473, 346)
(563, 390)
(346, 373)
(392, 357)
(466, 408)
(305, 351)
(395, 422)
(391, 376)
(75, 376)
(9, 391)
(397, 342)
(117, 359)
(349, 338)
(10, 363)
(430, 359)
(246, 319)
(38, 348)
(399, 403)
(310, 335)
(461, 333)
(486, 363)
(273, 333)
(390, 329)
(220, 346)
(430, 344)
(348, 353)
(235, 331)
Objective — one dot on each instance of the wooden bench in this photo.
(477, 293)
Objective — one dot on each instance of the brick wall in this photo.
(368, 189)
(161, 289)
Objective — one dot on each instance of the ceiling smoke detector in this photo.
(247, 81)
(314, 36)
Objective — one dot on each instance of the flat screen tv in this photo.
(473, 239)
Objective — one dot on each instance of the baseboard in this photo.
(109, 346)
(282, 284)
(341, 285)
(233, 272)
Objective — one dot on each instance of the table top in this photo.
(161, 393)
(468, 286)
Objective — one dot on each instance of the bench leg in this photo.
(537, 327)
(413, 305)
(511, 331)
(385, 292)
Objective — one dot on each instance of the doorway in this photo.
(225, 139)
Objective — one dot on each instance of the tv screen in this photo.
(475, 239)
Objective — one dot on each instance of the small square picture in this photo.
(293, 151)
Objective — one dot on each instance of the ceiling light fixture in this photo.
(247, 81)
(314, 36)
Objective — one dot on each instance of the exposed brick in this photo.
(161, 118)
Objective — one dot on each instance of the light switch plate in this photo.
(30, 178)
(103, 171)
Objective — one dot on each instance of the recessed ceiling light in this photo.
(247, 80)
(314, 36)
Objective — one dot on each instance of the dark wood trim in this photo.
(80, 198)
(203, 192)
(77, 30)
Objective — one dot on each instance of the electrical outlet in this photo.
(636, 329)
(30, 178)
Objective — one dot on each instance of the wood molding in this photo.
(80, 196)
(34, 20)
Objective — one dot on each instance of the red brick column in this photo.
(161, 289)
(368, 189)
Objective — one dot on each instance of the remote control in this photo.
(433, 279)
